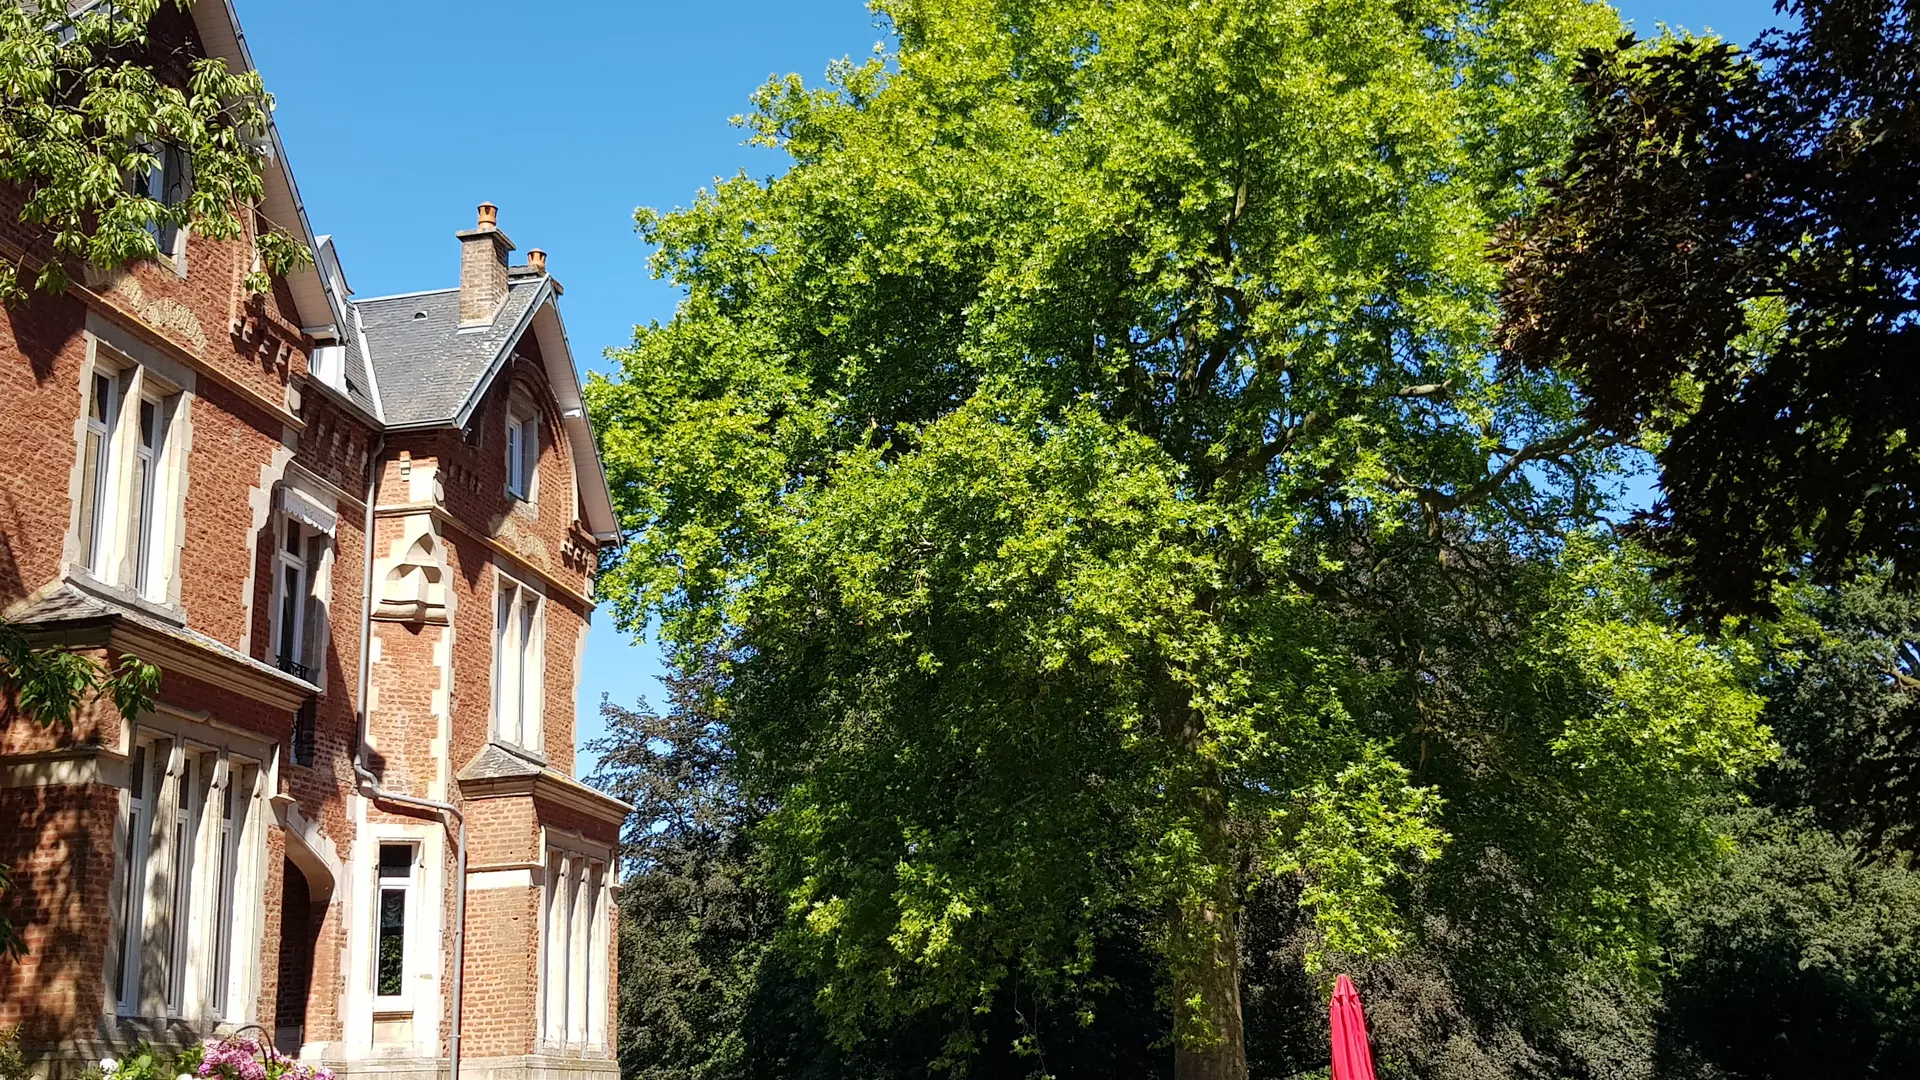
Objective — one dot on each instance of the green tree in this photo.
(705, 990)
(50, 686)
(87, 106)
(1844, 696)
(1043, 449)
(1729, 266)
(1800, 956)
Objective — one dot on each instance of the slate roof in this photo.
(359, 382)
(67, 604)
(427, 367)
(496, 762)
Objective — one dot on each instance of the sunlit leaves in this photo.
(85, 106)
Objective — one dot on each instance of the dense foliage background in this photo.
(1116, 580)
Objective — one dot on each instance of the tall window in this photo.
(573, 997)
(519, 661)
(303, 540)
(394, 911)
(144, 484)
(126, 485)
(168, 183)
(234, 792)
(191, 800)
(145, 779)
(523, 451)
(181, 863)
(295, 569)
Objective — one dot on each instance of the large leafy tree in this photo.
(1729, 266)
(87, 106)
(1071, 454)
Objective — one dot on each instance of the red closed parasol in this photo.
(1352, 1059)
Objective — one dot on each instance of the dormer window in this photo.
(523, 451)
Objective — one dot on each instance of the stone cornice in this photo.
(549, 787)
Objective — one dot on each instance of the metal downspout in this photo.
(372, 782)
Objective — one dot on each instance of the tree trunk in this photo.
(1203, 930)
(1210, 1041)
(1206, 986)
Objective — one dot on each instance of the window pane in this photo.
(149, 423)
(137, 518)
(528, 673)
(503, 663)
(393, 939)
(396, 860)
(293, 539)
(289, 611)
(185, 831)
(131, 879)
(101, 397)
(223, 917)
(523, 467)
(90, 483)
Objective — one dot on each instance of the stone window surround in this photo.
(520, 448)
(405, 1026)
(146, 374)
(190, 733)
(571, 862)
(513, 593)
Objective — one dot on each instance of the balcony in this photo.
(297, 670)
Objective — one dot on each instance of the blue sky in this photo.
(400, 116)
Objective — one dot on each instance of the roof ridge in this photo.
(405, 295)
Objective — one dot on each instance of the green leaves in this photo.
(1090, 459)
(86, 107)
(50, 686)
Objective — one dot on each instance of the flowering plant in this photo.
(237, 1057)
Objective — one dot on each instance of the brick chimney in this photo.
(483, 268)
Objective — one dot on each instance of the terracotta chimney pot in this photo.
(483, 269)
(538, 260)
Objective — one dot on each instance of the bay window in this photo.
(190, 821)
(573, 971)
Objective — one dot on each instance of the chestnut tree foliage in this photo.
(87, 107)
(1089, 462)
(1729, 267)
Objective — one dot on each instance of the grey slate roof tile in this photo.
(427, 366)
(359, 384)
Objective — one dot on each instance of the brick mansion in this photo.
(358, 538)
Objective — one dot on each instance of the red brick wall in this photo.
(246, 352)
(59, 841)
(503, 962)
